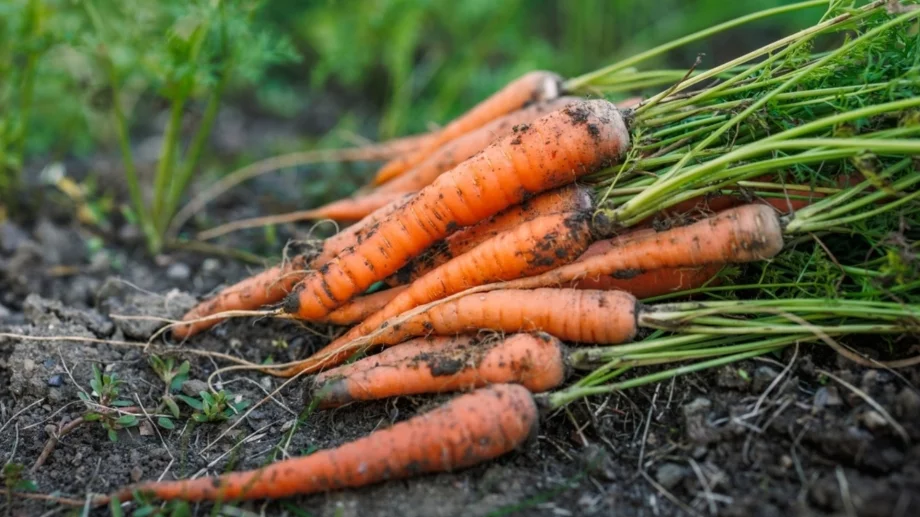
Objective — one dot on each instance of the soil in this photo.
(772, 437)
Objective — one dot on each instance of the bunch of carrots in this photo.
(481, 252)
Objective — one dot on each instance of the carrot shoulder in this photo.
(467, 430)
(553, 151)
(531, 87)
(443, 364)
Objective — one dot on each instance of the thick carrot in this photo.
(273, 284)
(467, 430)
(570, 198)
(534, 86)
(349, 209)
(531, 248)
(553, 151)
(452, 153)
(587, 316)
(361, 307)
(443, 364)
(645, 284)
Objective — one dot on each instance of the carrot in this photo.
(467, 430)
(531, 87)
(273, 284)
(533, 247)
(350, 209)
(553, 151)
(744, 234)
(646, 284)
(570, 198)
(587, 316)
(444, 364)
(452, 153)
(362, 307)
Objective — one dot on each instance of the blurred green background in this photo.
(149, 81)
(413, 62)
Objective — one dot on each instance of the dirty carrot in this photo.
(349, 209)
(744, 234)
(361, 307)
(587, 316)
(553, 151)
(531, 248)
(443, 364)
(452, 153)
(273, 284)
(656, 282)
(467, 430)
(570, 198)
(531, 87)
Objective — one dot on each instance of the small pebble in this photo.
(28, 365)
(179, 271)
(48, 363)
(763, 377)
(56, 380)
(210, 265)
(137, 474)
(873, 420)
(193, 387)
(670, 474)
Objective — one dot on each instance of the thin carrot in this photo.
(531, 248)
(452, 153)
(467, 430)
(656, 282)
(361, 307)
(273, 284)
(443, 364)
(553, 151)
(531, 87)
(587, 316)
(570, 198)
(744, 234)
(349, 209)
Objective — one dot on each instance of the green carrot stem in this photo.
(582, 81)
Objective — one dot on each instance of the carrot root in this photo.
(467, 430)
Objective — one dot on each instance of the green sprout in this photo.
(216, 407)
(105, 391)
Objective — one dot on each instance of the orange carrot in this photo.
(587, 316)
(553, 151)
(467, 430)
(570, 198)
(350, 209)
(533, 247)
(273, 284)
(361, 307)
(444, 364)
(452, 153)
(531, 87)
(744, 234)
(646, 284)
